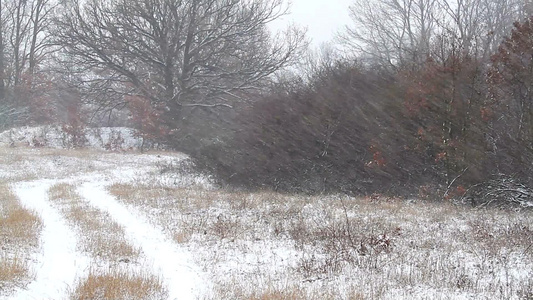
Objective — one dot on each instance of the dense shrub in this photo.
(511, 99)
(338, 133)
(441, 130)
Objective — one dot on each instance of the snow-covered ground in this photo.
(60, 264)
(172, 262)
(60, 137)
(203, 242)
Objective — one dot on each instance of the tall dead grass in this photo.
(118, 285)
(189, 201)
(277, 291)
(104, 240)
(101, 236)
(194, 198)
(20, 230)
(13, 269)
(376, 245)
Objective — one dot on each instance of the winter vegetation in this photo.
(20, 229)
(169, 149)
(110, 225)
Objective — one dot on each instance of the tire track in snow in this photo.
(58, 263)
(174, 265)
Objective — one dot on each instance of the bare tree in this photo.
(176, 53)
(24, 38)
(24, 47)
(20, 29)
(395, 32)
(39, 40)
(498, 22)
(391, 32)
(478, 26)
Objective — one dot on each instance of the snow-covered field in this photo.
(61, 137)
(146, 226)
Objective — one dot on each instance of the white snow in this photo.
(104, 138)
(203, 242)
(173, 264)
(59, 264)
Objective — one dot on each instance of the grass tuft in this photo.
(118, 285)
(13, 269)
(101, 236)
(20, 229)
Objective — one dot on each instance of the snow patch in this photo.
(59, 263)
(103, 138)
(172, 263)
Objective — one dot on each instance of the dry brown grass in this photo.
(267, 291)
(101, 236)
(13, 269)
(190, 199)
(380, 245)
(118, 285)
(19, 229)
(240, 290)
(10, 156)
(82, 153)
(18, 225)
(181, 236)
(278, 295)
(158, 196)
(63, 192)
(28, 164)
(11, 159)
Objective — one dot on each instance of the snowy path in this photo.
(174, 265)
(59, 263)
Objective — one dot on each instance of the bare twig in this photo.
(452, 182)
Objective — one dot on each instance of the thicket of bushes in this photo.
(341, 132)
(443, 129)
(313, 138)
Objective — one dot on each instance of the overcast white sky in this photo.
(321, 17)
